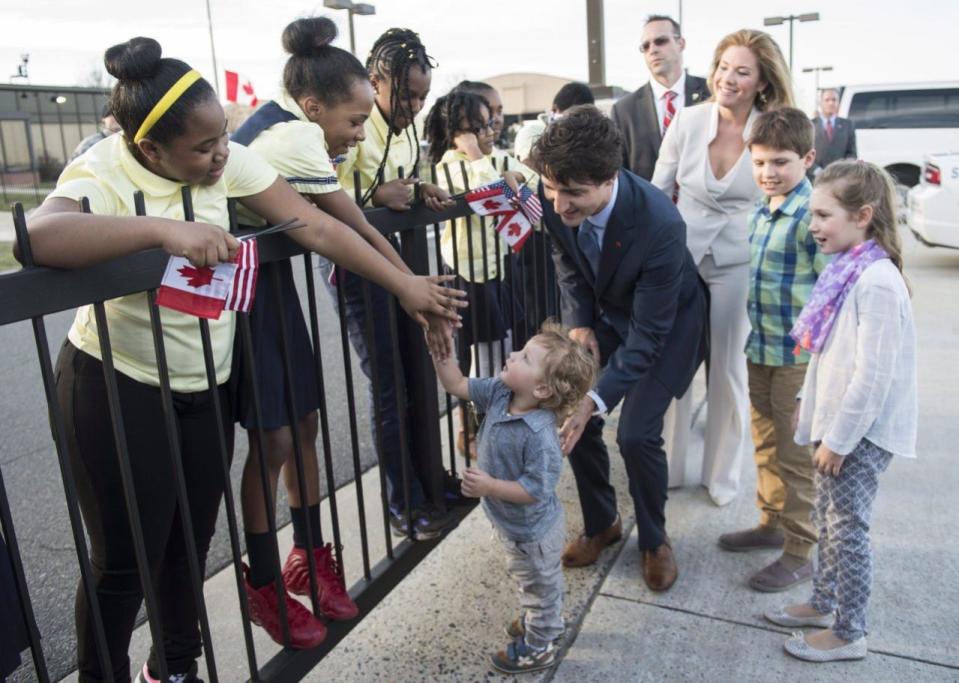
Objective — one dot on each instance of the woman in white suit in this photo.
(705, 159)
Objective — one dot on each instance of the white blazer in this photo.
(716, 224)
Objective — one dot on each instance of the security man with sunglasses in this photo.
(644, 115)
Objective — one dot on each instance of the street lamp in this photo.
(361, 8)
(816, 70)
(778, 21)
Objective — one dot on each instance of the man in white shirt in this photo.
(643, 116)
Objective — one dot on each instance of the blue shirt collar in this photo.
(535, 419)
(602, 218)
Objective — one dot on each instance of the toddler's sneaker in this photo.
(146, 676)
(306, 631)
(517, 628)
(335, 602)
(520, 657)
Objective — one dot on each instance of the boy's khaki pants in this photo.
(784, 485)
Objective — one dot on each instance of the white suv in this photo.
(933, 213)
(898, 124)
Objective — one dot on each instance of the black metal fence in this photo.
(35, 292)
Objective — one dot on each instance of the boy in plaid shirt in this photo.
(785, 263)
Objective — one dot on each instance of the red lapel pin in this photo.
(618, 244)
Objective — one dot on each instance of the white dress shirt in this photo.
(679, 87)
(599, 222)
(862, 385)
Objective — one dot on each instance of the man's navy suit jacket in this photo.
(647, 289)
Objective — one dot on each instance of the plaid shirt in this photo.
(785, 262)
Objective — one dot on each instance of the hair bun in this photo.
(307, 36)
(135, 60)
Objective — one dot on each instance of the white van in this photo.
(898, 124)
(934, 203)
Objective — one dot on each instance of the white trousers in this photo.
(727, 395)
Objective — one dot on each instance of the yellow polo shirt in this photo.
(297, 150)
(478, 172)
(366, 156)
(108, 175)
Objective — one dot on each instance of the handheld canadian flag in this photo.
(239, 89)
(205, 292)
(515, 229)
(518, 213)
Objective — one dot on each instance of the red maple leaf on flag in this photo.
(197, 277)
(513, 229)
(491, 204)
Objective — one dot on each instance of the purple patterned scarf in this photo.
(818, 316)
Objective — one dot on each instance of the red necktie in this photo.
(670, 111)
(829, 130)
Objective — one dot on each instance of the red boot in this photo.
(335, 602)
(306, 631)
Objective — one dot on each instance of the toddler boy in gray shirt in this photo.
(518, 466)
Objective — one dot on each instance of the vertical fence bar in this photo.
(293, 416)
(60, 446)
(464, 406)
(486, 279)
(126, 474)
(449, 401)
(179, 478)
(351, 407)
(375, 383)
(324, 414)
(422, 410)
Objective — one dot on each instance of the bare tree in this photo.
(96, 77)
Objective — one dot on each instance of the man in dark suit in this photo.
(631, 294)
(643, 116)
(835, 137)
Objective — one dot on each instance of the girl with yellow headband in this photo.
(174, 134)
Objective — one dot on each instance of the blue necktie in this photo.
(589, 244)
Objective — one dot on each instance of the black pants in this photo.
(81, 391)
(641, 446)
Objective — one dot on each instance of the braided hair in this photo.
(393, 55)
(442, 123)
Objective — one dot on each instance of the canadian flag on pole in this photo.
(239, 89)
(515, 229)
(205, 292)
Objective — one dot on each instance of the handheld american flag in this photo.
(518, 213)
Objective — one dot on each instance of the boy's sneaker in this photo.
(517, 628)
(306, 631)
(520, 657)
(427, 524)
(146, 676)
(335, 602)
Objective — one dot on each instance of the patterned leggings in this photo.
(842, 514)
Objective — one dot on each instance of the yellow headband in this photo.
(167, 101)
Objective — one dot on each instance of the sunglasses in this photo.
(658, 42)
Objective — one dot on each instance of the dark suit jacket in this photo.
(635, 114)
(648, 289)
(843, 145)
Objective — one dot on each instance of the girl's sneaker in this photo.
(189, 677)
(335, 602)
(520, 657)
(306, 631)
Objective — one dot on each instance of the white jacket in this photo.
(863, 383)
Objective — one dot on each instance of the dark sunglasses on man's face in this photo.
(658, 42)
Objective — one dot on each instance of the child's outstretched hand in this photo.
(439, 337)
(476, 483)
(435, 197)
(426, 294)
(827, 461)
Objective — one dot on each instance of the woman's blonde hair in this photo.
(856, 184)
(772, 67)
(569, 370)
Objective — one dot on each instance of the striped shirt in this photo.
(784, 265)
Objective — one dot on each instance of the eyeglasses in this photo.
(479, 129)
(659, 41)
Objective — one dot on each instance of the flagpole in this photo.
(216, 71)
